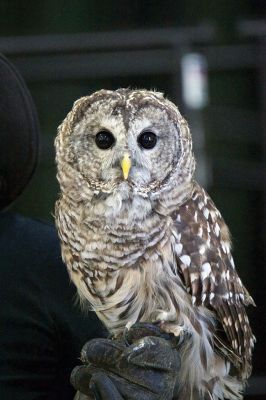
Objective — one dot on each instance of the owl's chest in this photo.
(107, 248)
(101, 255)
(104, 250)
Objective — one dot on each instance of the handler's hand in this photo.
(145, 369)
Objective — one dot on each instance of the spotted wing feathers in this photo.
(208, 271)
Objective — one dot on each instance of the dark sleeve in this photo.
(42, 331)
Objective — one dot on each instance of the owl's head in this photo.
(133, 140)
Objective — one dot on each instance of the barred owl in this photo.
(143, 241)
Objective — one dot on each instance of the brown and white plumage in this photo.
(151, 246)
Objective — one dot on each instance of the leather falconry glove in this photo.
(144, 366)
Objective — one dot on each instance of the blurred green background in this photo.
(232, 122)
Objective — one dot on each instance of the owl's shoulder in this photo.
(198, 217)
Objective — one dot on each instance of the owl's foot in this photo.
(140, 330)
(171, 327)
(177, 332)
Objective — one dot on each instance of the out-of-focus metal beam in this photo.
(95, 65)
(252, 27)
(105, 40)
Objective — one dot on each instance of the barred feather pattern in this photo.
(159, 252)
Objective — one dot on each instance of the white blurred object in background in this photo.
(194, 80)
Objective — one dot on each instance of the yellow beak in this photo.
(126, 165)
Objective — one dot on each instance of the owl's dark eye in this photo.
(104, 140)
(147, 140)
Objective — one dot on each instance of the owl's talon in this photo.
(126, 332)
(124, 336)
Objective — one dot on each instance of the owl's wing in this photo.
(208, 272)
